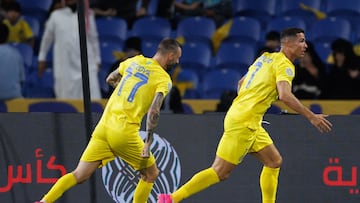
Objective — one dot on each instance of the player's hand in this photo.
(321, 123)
(112, 80)
(41, 68)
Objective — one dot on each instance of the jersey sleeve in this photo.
(122, 67)
(285, 72)
(164, 86)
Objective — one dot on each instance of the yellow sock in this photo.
(198, 182)
(142, 191)
(268, 184)
(62, 185)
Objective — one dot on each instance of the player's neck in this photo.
(288, 54)
(160, 60)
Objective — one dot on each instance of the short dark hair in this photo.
(291, 32)
(273, 35)
(340, 45)
(168, 45)
(4, 33)
(13, 6)
(133, 43)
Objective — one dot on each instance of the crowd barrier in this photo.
(331, 107)
(318, 168)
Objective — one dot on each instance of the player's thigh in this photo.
(262, 140)
(127, 144)
(235, 143)
(269, 156)
(265, 150)
(98, 148)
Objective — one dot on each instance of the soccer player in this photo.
(268, 79)
(141, 85)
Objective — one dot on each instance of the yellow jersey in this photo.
(142, 78)
(259, 90)
(20, 32)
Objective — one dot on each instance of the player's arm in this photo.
(113, 78)
(286, 96)
(152, 120)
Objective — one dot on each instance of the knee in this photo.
(150, 175)
(80, 177)
(276, 163)
(222, 175)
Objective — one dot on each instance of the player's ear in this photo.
(171, 56)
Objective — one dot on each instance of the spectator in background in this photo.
(11, 68)
(56, 4)
(310, 75)
(219, 10)
(344, 75)
(3, 5)
(226, 100)
(165, 8)
(19, 29)
(61, 31)
(272, 43)
(126, 9)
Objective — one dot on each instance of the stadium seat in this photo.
(149, 47)
(348, 9)
(323, 49)
(355, 111)
(3, 107)
(96, 107)
(39, 87)
(34, 25)
(187, 81)
(217, 81)
(263, 10)
(52, 106)
(316, 108)
(112, 29)
(244, 29)
(102, 75)
(196, 56)
(357, 34)
(329, 29)
(151, 28)
(196, 29)
(292, 8)
(237, 56)
(26, 52)
(36, 8)
(107, 54)
(282, 22)
(152, 7)
(35, 4)
(187, 108)
(273, 110)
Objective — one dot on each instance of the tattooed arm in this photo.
(113, 78)
(152, 120)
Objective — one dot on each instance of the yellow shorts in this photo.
(121, 141)
(238, 140)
